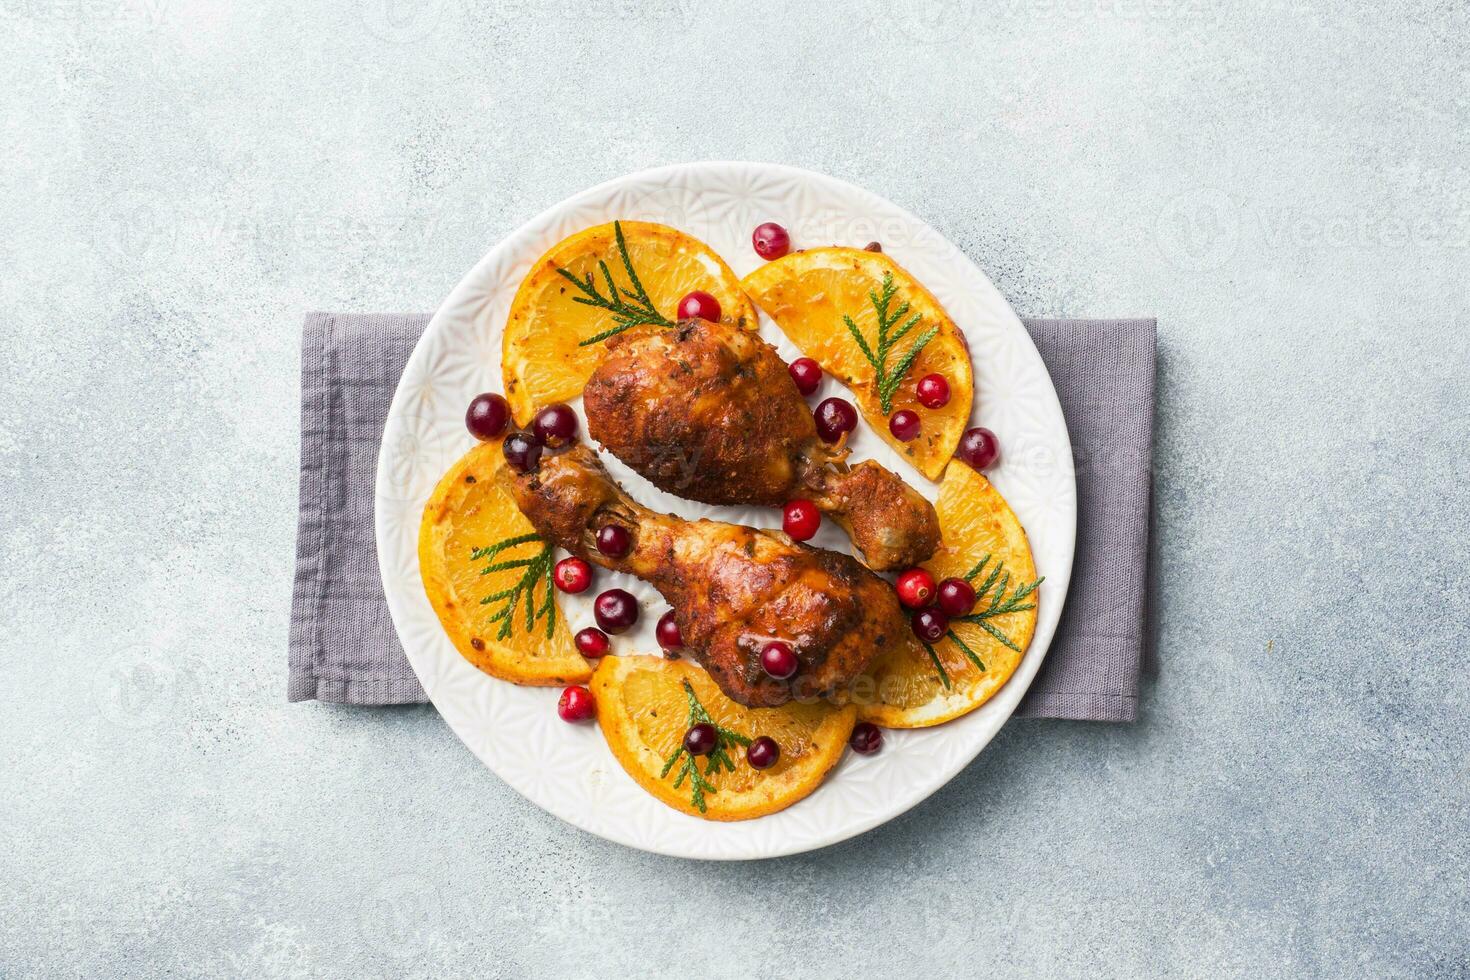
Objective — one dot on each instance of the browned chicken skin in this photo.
(733, 589)
(709, 411)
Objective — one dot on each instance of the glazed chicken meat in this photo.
(733, 589)
(708, 411)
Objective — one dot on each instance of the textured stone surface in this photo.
(1284, 186)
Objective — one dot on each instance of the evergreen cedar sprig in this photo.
(943, 674)
(537, 569)
(1000, 603)
(889, 380)
(994, 586)
(719, 758)
(629, 307)
(964, 648)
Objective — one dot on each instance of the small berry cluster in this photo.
(553, 427)
(934, 606)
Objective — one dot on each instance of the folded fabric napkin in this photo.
(343, 645)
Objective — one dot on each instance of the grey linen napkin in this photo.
(343, 645)
(1103, 371)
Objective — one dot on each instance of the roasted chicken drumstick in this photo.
(709, 411)
(733, 589)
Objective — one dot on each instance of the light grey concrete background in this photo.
(1285, 185)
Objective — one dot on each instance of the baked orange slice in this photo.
(594, 283)
(876, 329)
(984, 542)
(646, 704)
(488, 576)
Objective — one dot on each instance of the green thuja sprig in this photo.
(992, 600)
(629, 307)
(995, 586)
(888, 379)
(719, 759)
(537, 570)
(943, 674)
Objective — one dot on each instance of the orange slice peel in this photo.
(983, 540)
(471, 524)
(645, 705)
(589, 285)
(847, 308)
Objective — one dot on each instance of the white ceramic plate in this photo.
(567, 769)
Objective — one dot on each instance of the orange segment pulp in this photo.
(643, 708)
(470, 509)
(809, 294)
(542, 357)
(974, 521)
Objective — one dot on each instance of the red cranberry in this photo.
(835, 418)
(930, 625)
(771, 241)
(616, 611)
(978, 447)
(487, 416)
(933, 391)
(522, 451)
(763, 753)
(699, 305)
(614, 540)
(701, 739)
(667, 632)
(779, 660)
(904, 425)
(572, 575)
(555, 425)
(867, 738)
(915, 588)
(800, 519)
(592, 643)
(807, 374)
(956, 597)
(576, 704)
